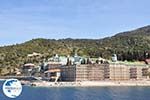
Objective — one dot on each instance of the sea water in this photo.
(81, 93)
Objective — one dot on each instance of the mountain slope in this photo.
(131, 45)
(143, 31)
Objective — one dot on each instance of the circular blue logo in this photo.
(12, 88)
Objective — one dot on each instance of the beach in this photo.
(90, 83)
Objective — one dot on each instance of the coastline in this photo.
(90, 84)
(105, 83)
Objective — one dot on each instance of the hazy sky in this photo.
(22, 20)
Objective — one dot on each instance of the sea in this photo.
(81, 93)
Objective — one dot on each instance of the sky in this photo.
(23, 20)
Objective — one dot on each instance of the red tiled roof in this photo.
(52, 70)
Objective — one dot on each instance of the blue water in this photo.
(90, 93)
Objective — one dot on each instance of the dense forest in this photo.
(132, 46)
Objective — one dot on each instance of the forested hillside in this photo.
(131, 45)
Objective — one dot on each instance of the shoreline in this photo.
(90, 84)
(106, 83)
